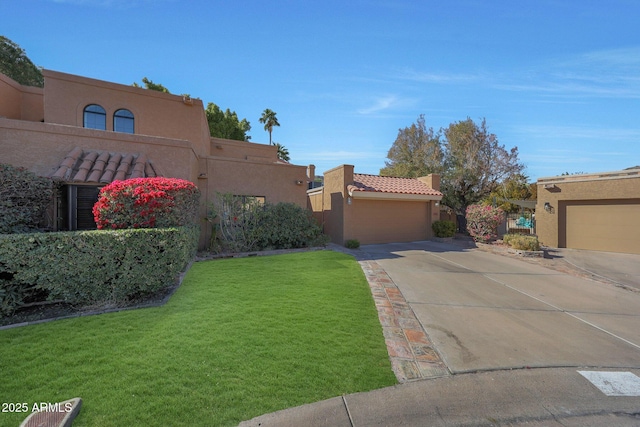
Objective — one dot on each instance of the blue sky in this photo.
(559, 79)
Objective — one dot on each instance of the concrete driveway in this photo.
(621, 269)
(484, 311)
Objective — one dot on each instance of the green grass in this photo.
(241, 337)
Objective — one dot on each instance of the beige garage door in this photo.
(385, 221)
(611, 226)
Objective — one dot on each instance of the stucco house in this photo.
(375, 209)
(598, 211)
(87, 133)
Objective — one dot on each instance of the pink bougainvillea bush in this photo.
(483, 221)
(146, 203)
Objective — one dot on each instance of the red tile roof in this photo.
(103, 167)
(388, 184)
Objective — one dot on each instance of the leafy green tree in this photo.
(417, 151)
(516, 187)
(283, 153)
(148, 84)
(14, 63)
(226, 124)
(269, 120)
(475, 164)
(469, 158)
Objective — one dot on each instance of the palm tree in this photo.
(270, 120)
(283, 153)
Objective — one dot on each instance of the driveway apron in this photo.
(483, 311)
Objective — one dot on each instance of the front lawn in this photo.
(241, 337)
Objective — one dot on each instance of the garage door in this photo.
(385, 221)
(611, 226)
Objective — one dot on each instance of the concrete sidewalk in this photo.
(529, 397)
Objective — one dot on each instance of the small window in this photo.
(123, 121)
(95, 117)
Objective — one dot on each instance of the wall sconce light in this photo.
(547, 206)
(348, 200)
(298, 182)
(437, 203)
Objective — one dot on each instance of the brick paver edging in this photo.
(411, 352)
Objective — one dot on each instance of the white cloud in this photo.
(382, 104)
(430, 77)
(580, 132)
(337, 156)
(601, 74)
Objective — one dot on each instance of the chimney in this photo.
(432, 180)
(311, 173)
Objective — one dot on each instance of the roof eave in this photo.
(379, 195)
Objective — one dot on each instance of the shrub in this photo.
(352, 244)
(244, 224)
(24, 198)
(286, 225)
(522, 242)
(234, 220)
(147, 203)
(512, 230)
(444, 228)
(483, 221)
(95, 267)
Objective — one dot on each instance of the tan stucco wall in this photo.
(315, 204)
(563, 190)
(243, 150)
(41, 147)
(20, 102)
(334, 201)
(155, 113)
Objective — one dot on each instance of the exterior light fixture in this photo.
(437, 203)
(298, 182)
(348, 200)
(547, 206)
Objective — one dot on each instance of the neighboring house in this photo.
(87, 133)
(375, 209)
(590, 211)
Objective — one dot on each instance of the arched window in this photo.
(95, 117)
(123, 121)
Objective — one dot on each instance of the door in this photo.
(601, 225)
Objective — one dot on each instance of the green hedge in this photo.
(444, 228)
(92, 268)
(24, 198)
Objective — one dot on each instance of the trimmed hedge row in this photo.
(24, 198)
(92, 268)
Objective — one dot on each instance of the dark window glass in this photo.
(123, 121)
(95, 117)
